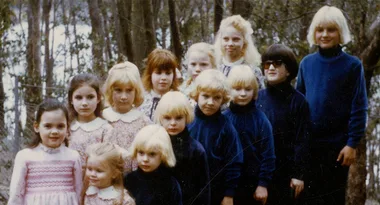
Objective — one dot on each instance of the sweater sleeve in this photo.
(18, 182)
(301, 143)
(176, 193)
(203, 177)
(234, 159)
(300, 85)
(268, 162)
(359, 107)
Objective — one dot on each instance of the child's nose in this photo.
(271, 67)
(242, 92)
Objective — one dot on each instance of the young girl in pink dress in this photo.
(124, 92)
(47, 172)
(103, 183)
(159, 78)
(85, 106)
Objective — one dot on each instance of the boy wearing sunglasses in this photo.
(288, 112)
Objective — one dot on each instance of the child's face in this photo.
(209, 102)
(327, 36)
(198, 62)
(275, 71)
(232, 42)
(242, 95)
(174, 124)
(85, 101)
(52, 128)
(99, 174)
(123, 96)
(162, 80)
(148, 161)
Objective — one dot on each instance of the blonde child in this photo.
(174, 112)
(85, 107)
(124, 92)
(159, 78)
(234, 46)
(217, 135)
(255, 132)
(152, 182)
(47, 172)
(334, 86)
(103, 182)
(199, 57)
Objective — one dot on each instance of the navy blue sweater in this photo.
(255, 132)
(191, 169)
(334, 87)
(288, 112)
(153, 188)
(223, 148)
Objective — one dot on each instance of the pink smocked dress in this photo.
(84, 134)
(106, 196)
(125, 128)
(45, 176)
(150, 103)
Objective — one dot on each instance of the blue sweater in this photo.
(191, 169)
(223, 148)
(334, 87)
(255, 132)
(153, 188)
(288, 112)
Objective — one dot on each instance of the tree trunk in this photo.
(138, 44)
(357, 176)
(117, 30)
(125, 18)
(48, 61)
(33, 93)
(242, 7)
(97, 37)
(175, 32)
(150, 31)
(108, 51)
(218, 14)
(73, 11)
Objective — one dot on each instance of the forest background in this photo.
(45, 42)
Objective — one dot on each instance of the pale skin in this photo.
(297, 185)
(227, 200)
(347, 155)
(261, 194)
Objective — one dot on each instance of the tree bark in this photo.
(125, 19)
(33, 91)
(175, 32)
(150, 31)
(108, 51)
(48, 60)
(218, 14)
(138, 34)
(97, 37)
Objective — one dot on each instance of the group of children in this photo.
(228, 137)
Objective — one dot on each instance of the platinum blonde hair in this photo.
(243, 76)
(174, 103)
(329, 15)
(250, 53)
(154, 138)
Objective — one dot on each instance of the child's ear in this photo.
(35, 126)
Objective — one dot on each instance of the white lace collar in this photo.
(49, 149)
(113, 116)
(88, 126)
(105, 193)
(238, 62)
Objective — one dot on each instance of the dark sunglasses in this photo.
(276, 64)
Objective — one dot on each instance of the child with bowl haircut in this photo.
(217, 135)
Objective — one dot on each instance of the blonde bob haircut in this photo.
(154, 138)
(203, 48)
(111, 156)
(124, 73)
(174, 103)
(332, 16)
(211, 81)
(249, 51)
(243, 76)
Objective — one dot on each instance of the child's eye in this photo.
(225, 38)
(117, 89)
(332, 29)
(78, 97)
(236, 39)
(168, 72)
(179, 117)
(91, 97)
(218, 97)
(166, 117)
(140, 152)
(204, 64)
(61, 126)
(205, 96)
(237, 88)
(152, 154)
(157, 72)
(193, 64)
(47, 125)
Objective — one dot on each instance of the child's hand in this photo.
(347, 155)
(227, 200)
(297, 185)
(261, 194)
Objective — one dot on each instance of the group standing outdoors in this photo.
(232, 133)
